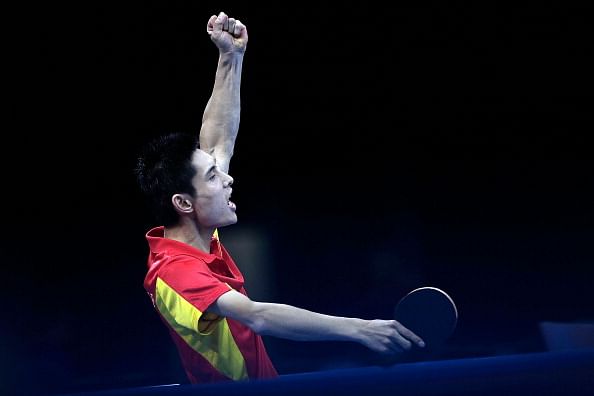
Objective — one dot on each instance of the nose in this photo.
(228, 180)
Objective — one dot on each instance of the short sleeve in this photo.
(185, 290)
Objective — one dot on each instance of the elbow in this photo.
(259, 327)
(257, 321)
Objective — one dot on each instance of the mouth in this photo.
(230, 204)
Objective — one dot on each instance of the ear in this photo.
(182, 203)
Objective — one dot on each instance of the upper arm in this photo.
(184, 290)
(236, 306)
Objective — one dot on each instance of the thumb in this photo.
(243, 34)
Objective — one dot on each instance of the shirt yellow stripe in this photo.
(218, 347)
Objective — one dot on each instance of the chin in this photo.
(229, 222)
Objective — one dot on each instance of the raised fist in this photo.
(228, 34)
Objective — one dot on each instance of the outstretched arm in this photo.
(285, 321)
(220, 122)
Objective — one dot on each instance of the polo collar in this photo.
(159, 244)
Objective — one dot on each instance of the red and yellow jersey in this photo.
(183, 282)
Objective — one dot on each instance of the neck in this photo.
(191, 234)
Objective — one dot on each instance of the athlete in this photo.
(194, 284)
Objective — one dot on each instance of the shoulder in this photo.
(183, 268)
(183, 263)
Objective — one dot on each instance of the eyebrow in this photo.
(212, 168)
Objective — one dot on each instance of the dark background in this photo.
(380, 150)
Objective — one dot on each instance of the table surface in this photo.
(568, 372)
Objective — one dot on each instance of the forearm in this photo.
(298, 324)
(220, 122)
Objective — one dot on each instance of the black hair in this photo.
(164, 168)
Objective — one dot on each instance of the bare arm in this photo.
(220, 122)
(285, 321)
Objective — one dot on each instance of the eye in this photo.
(212, 176)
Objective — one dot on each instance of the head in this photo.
(182, 181)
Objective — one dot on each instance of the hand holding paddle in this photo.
(387, 337)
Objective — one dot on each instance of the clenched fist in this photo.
(228, 34)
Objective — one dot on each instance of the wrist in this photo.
(355, 329)
(231, 55)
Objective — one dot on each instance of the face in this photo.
(211, 205)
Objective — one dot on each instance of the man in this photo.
(193, 282)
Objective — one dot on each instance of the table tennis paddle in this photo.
(428, 312)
